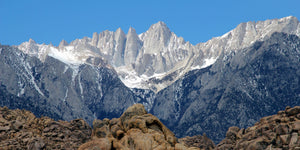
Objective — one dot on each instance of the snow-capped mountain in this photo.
(229, 80)
(156, 58)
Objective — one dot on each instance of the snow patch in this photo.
(132, 80)
(207, 62)
(80, 86)
(31, 78)
(65, 70)
(66, 95)
(68, 57)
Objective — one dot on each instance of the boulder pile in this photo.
(20, 129)
(280, 131)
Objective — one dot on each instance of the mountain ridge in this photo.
(158, 52)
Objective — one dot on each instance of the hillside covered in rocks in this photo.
(280, 131)
(137, 129)
(21, 129)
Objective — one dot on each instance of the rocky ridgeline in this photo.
(20, 129)
(280, 131)
(136, 129)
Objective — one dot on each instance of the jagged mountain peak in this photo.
(159, 24)
(119, 30)
(289, 18)
(62, 44)
(31, 41)
(131, 30)
(159, 27)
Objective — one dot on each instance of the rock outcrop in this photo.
(280, 131)
(20, 129)
(135, 129)
(202, 142)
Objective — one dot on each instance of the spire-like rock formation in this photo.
(133, 45)
(118, 54)
(62, 44)
(31, 41)
(95, 39)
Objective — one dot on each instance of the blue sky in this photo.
(196, 21)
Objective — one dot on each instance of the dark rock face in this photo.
(60, 91)
(20, 129)
(237, 90)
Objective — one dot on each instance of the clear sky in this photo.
(196, 21)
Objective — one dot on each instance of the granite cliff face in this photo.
(237, 90)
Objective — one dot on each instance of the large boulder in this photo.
(135, 129)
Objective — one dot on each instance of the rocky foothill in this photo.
(137, 129)
(276, 132)
(20, 129)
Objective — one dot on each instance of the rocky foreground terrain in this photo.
(280, 131)
(20, 129)
(136, 129)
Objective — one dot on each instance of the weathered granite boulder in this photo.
(135, 129)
